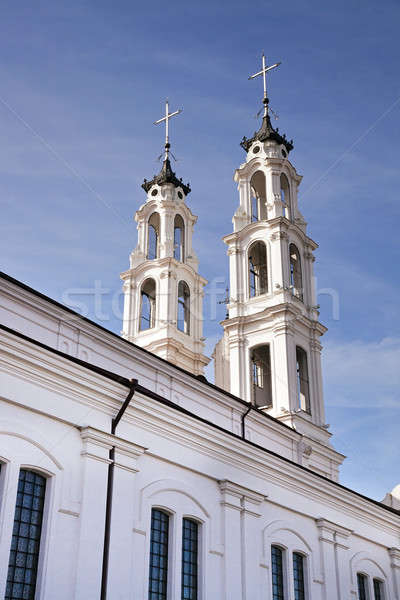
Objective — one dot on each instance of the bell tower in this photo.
(270, 353)
(163, 291)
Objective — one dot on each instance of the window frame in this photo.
(182, 245)
(47, 517)
(268, 375)
(296, 273)
(169, 573)
(302, 366)
(283, 550)
(156, 228)
(261, 279)
(185, 306)
(199, 524)
(152, 303)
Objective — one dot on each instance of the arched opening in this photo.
(179, 238)
(153, 236)
(258, 274)
(296, 280)
(183, 321)
(303, 387)
(261, 376)
(147, 305)
(258, 197)
(285, 196)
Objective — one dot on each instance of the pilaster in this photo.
(394, 554)
(95, 458)
(242, 541)
(333, 540)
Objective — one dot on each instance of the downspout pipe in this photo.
(244, 415)
(110, 488)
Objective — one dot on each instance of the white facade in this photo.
(254, 479)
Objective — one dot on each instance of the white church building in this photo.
(126, 475)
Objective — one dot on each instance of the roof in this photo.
(267, 132)
(166, 175)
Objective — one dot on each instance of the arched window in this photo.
(362, 584)
(147, 305)
(261, 376)
(303, 388)
(298, 576)
(378, 589)
(285, 196)
(258, 277)
(25, 544)
(183, 321)
(278, 588)
(190, 558)
(159, 543)
(153, 234)
(296, 280)
(179, 238)
(258, 197)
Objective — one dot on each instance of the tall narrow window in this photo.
(278, 592)
(25, 543)
(261, 376)
(158, 575)
(179, 238)
(296, 281)
(285, 196)
(254, 209)
(258, 197)
(362, 584)
(258, 275)
(183, 321)
(378, 589)
(147, 305)
(190, 551)
(298, 576)
(153, 234)
(303, 387)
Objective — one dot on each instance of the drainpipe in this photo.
(110, 486)
(244, 415)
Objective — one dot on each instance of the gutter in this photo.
(110, 488)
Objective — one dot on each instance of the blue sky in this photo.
(82, 83)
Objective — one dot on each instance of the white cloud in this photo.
(361, 374)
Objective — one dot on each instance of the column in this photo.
(394, 554)
(231, 523)
(251, 545)
(95, 458)
(121, 559)
(335, 565)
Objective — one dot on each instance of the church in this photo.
(126, 475)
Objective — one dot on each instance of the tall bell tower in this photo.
(270, 353)
(163, 291)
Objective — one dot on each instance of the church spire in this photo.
(163, 307)
(266, 131)
(270, 352)
(166, 175)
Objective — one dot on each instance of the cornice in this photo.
(231, 450)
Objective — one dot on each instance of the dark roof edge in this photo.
(198, 379)
(146, 392)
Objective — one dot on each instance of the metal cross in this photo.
(167, 117)
(264, 72)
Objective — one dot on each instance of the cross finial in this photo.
(264, 72)
(167, 117)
